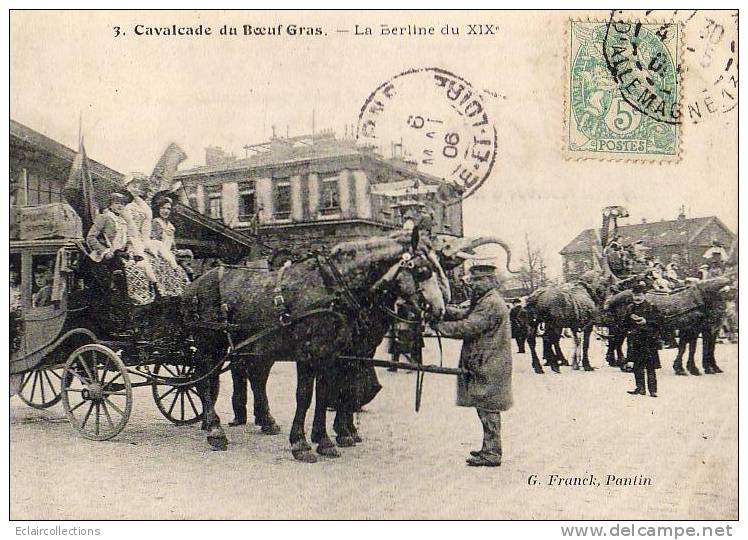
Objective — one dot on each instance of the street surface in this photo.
(410, 465)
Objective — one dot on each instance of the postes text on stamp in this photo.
(622, 91)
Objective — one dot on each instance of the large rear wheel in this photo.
(96, 392)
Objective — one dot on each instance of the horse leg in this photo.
(304, 389)
(708, 344)
(352, 429)
(239, 394)
(575, 354)
(562, 361)
(325, 447)
(341, 425)
(548, 353)
(586, 333)
(258, 373)
(612, 348)
(531, 341)
(678, 363)
(216, 436)
(692, 338)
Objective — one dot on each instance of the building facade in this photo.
(689, 238)
(39, 170)
(306, 192)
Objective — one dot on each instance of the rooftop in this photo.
(292, 150)
(653, 234)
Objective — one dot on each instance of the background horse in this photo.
(693, 310)
(571, 305)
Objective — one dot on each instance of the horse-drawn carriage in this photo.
(71, 348)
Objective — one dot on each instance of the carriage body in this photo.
(66, 347)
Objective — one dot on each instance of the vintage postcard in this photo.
(381, 265)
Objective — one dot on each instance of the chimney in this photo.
(644, 220)
(682, 213)
(214, 155)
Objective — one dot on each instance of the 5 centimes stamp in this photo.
(436, 120)
(622, 91)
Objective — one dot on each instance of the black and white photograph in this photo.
(374, 265)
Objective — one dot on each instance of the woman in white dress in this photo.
(173, 277)
(156, 259)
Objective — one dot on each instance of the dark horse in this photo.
(693, 310)
(571, 305)
(312, 312)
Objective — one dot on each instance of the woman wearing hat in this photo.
(172, 277)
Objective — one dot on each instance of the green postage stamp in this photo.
(622, 91)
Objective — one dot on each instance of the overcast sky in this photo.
(137, 94)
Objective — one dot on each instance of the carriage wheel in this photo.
(41, 389)
(96, 392)
(180, 404)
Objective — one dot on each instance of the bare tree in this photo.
(532, 273)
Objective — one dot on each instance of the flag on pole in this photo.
(162, 178)
(79, 191)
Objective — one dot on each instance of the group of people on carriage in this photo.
(132, 246)
(632, 260)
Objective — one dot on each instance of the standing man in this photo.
(644, 329)
(518, 318)
(487, 356)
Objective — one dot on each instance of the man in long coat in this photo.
(487, 355)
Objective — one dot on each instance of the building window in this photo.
(246, 201)
(330, 200)
(282, 204)
(214, 202)
(41, 191)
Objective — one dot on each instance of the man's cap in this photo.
(639, 287)
(480, 270)
(117, 197)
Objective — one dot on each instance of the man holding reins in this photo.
(487, 356)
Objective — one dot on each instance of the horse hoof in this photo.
(218, 443)
(575, 367)
(305, 456)
(539, 370)
(717, 369)
(345, 441)
(328, 451)
(681, 372)
(357, 438)
(236, 422)
(589, 368)
(270, 429)
(709, 371)
(694, 371)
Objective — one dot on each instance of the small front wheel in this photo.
(96, 392)
(40, 389)
(180, 404)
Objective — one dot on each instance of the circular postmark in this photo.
(438, 121)
(642, 58)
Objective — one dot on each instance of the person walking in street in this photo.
(486, 356)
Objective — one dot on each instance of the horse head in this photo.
(403, 264)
